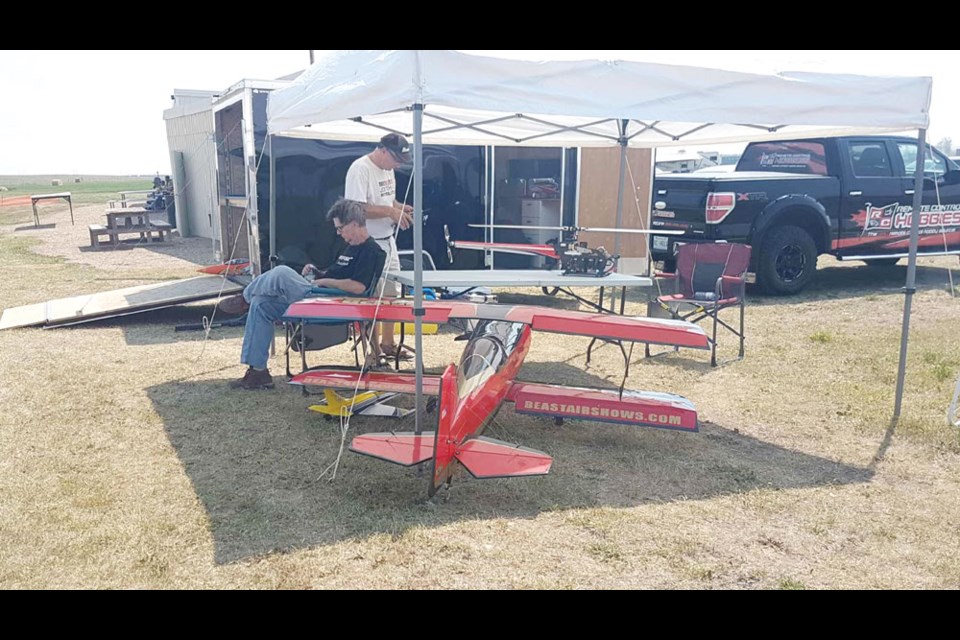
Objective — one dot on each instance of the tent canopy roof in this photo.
(470, 99)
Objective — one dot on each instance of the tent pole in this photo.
(622, 141)
(910, 287)
(418, 258)
(273, 204)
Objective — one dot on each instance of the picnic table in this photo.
(49, 196)
(128, 220)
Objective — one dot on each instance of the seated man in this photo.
(268, 296)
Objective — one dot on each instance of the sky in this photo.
(101, 112)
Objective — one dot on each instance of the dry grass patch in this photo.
(126, 463)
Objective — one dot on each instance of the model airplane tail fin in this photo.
(488, 458)
(403, 448)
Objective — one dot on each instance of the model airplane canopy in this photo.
(357, 95)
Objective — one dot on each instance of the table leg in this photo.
(70, 202)
(36, 215)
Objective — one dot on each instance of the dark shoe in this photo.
(254, 379)
(234, 305)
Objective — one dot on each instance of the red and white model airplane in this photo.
(471, 394)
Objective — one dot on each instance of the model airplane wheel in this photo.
(431, 405)
(558, 421)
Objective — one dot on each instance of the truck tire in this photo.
(881, 262)
(787, 261)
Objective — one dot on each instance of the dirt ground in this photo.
(125, 462)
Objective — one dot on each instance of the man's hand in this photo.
(309, 271)
(403, 216)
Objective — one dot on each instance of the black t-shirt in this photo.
(357, 262)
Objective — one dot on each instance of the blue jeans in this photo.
(269, 296)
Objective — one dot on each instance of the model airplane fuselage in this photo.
(471, 394)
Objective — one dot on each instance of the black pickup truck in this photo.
(792, 200)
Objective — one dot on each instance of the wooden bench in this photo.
(98, 231)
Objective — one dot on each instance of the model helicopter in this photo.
(570, 254)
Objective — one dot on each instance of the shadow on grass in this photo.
(30, 227)
(838, 281)
(257, 463)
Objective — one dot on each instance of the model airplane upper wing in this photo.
(594, 325)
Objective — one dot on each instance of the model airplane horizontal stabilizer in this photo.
(403, 448)
(635, 408)
(488, 458)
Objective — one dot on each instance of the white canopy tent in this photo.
(445, 97)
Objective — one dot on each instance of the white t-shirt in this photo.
(366, 182)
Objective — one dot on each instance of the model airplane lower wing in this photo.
(369, 381)
(635, 408)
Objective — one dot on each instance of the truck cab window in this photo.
(870, 159)
(934, 164)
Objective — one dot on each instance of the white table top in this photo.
(41, 196)
(516, 278)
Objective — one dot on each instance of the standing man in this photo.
(371, 180)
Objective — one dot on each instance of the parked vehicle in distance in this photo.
(792, 200)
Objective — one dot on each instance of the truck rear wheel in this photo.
(787, 261)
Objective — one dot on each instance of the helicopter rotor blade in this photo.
(517, 226)
(665, 232)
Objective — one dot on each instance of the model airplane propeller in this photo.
(471, 394)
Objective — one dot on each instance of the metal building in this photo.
(190, 138)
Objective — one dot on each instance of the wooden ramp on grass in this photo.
(121, 302)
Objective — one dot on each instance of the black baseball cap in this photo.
(398, 147)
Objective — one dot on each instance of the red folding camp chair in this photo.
(709, 277)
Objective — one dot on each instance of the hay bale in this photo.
(56, 182)
(78, 180)
(4, 189)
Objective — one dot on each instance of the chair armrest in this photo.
(667, 283)
(736, 285)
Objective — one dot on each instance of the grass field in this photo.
(125, 462)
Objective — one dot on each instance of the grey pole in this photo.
(622, 141)
(273, 202)
(910, 287)
(418, 257)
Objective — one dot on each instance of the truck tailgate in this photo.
(679, 202)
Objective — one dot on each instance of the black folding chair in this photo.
(317, 335)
